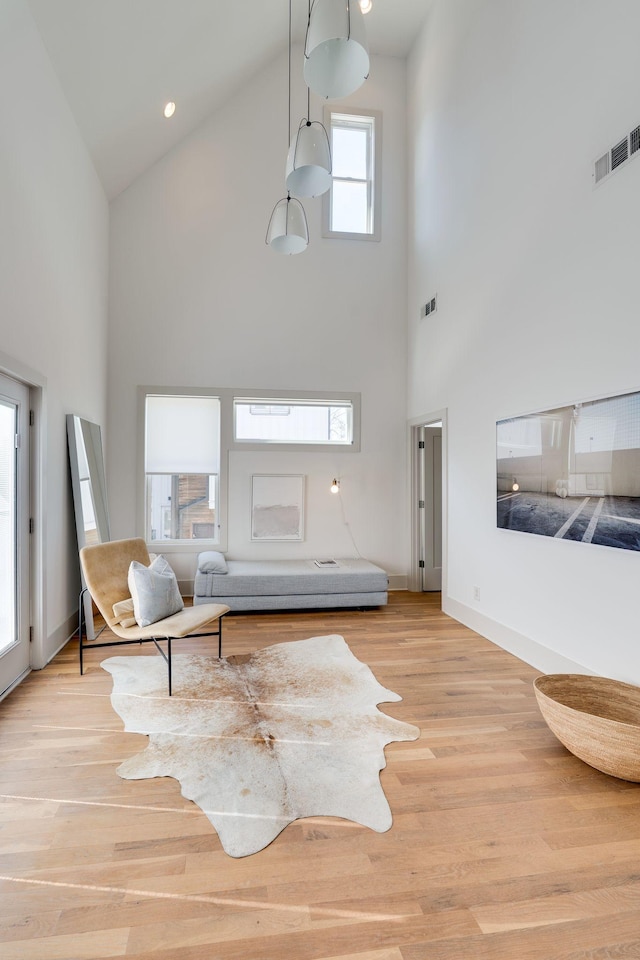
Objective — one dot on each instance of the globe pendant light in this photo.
(288, 231)
(336, 59)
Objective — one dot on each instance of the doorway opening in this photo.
(428, 472)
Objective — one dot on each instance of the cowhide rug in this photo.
(259, 741)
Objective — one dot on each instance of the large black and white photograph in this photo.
(573, 472)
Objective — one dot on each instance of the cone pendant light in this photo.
(336, 58)
(309, 159)
(288, 231)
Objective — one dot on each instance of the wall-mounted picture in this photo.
(277, 507)
(573, 472)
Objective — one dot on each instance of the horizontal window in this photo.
(258, 420)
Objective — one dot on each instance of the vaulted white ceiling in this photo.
(120, 61)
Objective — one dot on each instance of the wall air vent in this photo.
(619, 153)
(616, 156)
(429, 308)
(602, 167)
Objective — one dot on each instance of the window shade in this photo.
(182, 435)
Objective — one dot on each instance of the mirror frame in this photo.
(86, 463)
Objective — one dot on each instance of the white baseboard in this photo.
(59, 639)
(532, 652)
(397, 581)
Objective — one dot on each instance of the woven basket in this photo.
(597, 719)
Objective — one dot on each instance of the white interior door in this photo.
(430, 510)
(14, 532)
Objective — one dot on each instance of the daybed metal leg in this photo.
(169, 661)
(220, 637)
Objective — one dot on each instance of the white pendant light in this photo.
(309, 160)
(336, 59)
(288, 231)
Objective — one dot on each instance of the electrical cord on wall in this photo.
(347, 525)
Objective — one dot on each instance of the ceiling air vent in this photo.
(616, 156)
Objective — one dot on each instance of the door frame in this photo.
(414, 425)
(37, 493)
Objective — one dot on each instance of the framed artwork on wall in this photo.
(277, 507)
(573, 473)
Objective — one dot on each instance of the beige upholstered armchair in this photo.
(106, 567)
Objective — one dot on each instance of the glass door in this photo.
(14, 532)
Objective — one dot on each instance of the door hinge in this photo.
(420, 504)
(421, 563)
(420, 444)
(32, 418)
(16, 441)
(31, 525)
(30, 634)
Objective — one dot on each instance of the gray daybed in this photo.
(288, 584)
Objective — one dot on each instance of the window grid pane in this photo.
(350, 155)
(350, 207)
(181, 507)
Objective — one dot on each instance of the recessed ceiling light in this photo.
(169, 109)
(365, 5)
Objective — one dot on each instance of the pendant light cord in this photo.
(309, 88)
(289, 117)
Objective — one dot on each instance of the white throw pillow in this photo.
(212, 562)
(123, 612)
(154, 590)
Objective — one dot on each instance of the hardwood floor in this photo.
(503, 846)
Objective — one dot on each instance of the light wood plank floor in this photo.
(503, 846)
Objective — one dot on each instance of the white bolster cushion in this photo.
(212, 562)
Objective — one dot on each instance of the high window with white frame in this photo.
(351, 208)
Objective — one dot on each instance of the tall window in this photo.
(352, 207)
(182, 458)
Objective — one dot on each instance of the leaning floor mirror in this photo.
(89, 488)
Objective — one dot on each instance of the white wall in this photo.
(53, 285)
(197, 299)
(536, 271)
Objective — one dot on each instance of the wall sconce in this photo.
(515, 486)
(335, 486)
